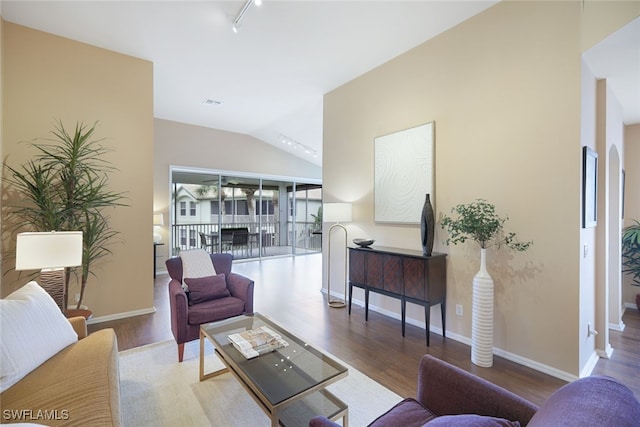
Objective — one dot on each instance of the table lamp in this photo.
(158, 221)
(336, 212)
(51, 252)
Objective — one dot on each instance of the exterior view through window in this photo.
(250, 217)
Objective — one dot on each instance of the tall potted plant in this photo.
(478, 221)
(65, 187)
(631, 255)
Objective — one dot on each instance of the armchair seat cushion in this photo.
(217, 309)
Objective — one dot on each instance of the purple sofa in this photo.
(449, 396)
(186, 319)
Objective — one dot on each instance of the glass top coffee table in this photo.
(289, 383)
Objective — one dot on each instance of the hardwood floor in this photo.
(288, 290)
(625, 361)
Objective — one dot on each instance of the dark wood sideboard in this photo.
(400, 273)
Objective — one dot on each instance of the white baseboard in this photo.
(590, 365)
(546, 369)
(617, 327)
(117, 316)
(606, 353)
(540, 367)
(620, 326)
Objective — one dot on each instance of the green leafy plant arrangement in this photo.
(631, 252)
(479, 222)
(65, 188)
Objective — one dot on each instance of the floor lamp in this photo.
(50, 252)
(336, 212)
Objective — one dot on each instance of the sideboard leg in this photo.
(427, 315)
(403, 311)
(443, 308)
(366, 304)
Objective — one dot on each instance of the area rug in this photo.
(156, 390)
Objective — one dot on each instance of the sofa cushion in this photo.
(196, 263)
(206, 288)
(590, 402)
(470, 420)
(79, 386)
(33, 329)
(407, 413)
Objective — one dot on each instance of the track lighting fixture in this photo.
(247, 5)
(297, 145)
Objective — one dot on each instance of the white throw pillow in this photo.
(32, 329)
(196, 263)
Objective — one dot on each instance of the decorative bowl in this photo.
(363, 243)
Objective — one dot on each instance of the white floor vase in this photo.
(482, 316)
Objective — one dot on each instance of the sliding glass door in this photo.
(306, 214)
(249, 216)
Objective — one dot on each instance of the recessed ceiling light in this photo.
(212, 102)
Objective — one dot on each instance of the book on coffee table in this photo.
(254, 342)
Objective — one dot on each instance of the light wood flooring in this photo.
(288, 290)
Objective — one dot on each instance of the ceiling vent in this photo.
(212, 102)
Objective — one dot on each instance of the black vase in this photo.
(427, 227)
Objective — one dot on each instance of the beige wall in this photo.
(600, 18)
(184, 145)
(632, 197)
(45, 78)
(504, 90)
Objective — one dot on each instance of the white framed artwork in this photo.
(403, 174)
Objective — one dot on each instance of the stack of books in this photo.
(254, 342)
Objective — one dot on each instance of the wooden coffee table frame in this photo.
(273, 411)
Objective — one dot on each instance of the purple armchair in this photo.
(186, 319)
(449, 396)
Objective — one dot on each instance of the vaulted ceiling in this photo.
(267, 79)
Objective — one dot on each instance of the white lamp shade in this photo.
(158, 219)
(336, 212)
(55, 249)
